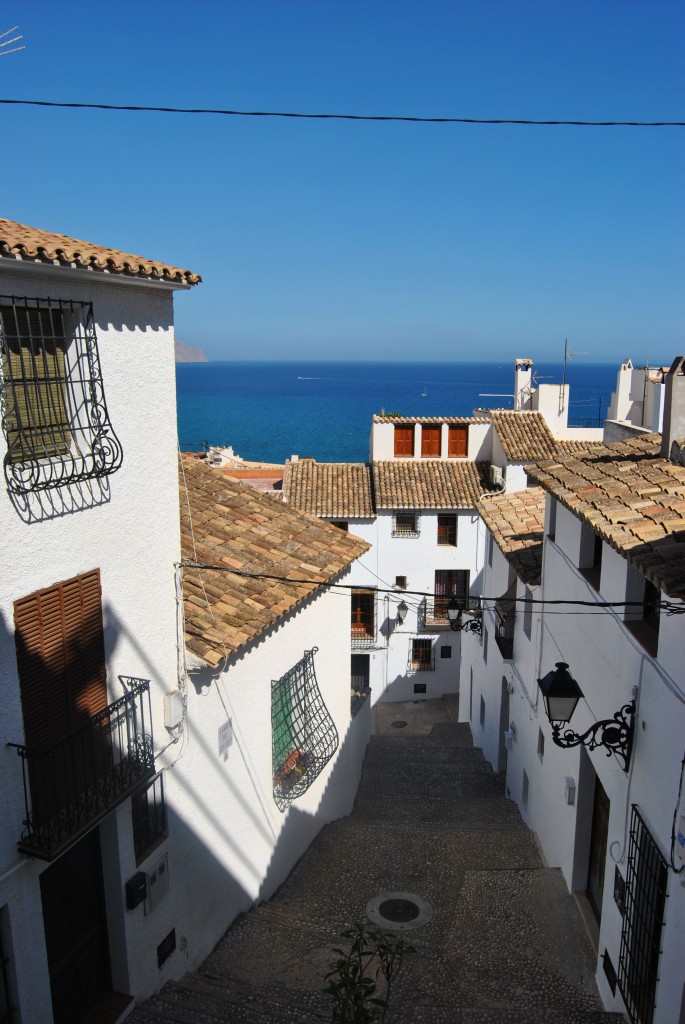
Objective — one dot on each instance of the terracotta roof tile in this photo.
(341, 490)
(517, 523)
(434, 483)
(632, 497)
(524, 435)
(238, 527)
(48, 247)
(430, 419)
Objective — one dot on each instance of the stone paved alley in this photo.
(506, 944)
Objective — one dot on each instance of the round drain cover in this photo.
(398, 725)
(399, 911)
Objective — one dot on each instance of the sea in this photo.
(268, 411)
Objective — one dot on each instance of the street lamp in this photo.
(561, 694)
(455, 613)
(402, 610)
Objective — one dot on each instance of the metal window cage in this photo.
(643, 916)
(405, 524)
(421, 656)
(304, 736)
(52, 400)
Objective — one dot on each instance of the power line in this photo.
(342, 117)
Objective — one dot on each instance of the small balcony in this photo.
(432, 613)
(70, 786)
(361, 638)
(505, 618)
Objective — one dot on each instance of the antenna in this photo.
(8, 42)
(567, 355)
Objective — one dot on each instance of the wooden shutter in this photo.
(61, 658)
(458, 443)
(404, 439)
(34, 370)
(430, 441)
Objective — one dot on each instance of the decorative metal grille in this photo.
(148, 814)
(405, 524)
(421, 656)
(645, 897)
(52, 399)
(304, 737)
(73, 784)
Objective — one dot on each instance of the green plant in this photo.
(373, 955)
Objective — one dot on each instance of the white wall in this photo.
(230, 844)
(132, 536)
(382, 440)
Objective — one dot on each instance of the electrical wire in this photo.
(341, 117)
(679, 870)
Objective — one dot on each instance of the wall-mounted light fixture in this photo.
(455, 614)
(402, 610)
(561, 694)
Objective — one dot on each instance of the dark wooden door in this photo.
(598, 849)
(76, 930)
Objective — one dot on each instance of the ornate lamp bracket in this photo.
(614, 734)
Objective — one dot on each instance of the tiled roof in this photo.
(632, 498)
(227, 523)
(48, 247)
(429, 419)
(568, 447)
(524, 435)
(336, 489)
(434, 483)
(517, 522)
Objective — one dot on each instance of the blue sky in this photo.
(369, 240)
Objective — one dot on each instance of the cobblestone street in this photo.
(506, 943)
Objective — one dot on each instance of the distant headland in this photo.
(188, 353)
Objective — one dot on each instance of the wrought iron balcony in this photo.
(505, 617)
(70, 786)
(362, 638)
(432, 613)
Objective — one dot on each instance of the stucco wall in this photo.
(131, 532)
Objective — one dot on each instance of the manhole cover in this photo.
(399, 911)
(398, 725)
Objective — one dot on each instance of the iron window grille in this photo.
(421, 655)
(149, 819)
(643, 916)
(54, 414)
(304, 736)
(405, 524)
(447, 529)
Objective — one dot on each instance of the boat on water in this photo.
(424, 393)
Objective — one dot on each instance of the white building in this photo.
(637, 404)
(609, 604)
(90, 535)
(270, 749)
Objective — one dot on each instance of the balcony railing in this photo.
(505, 616)
(361, 637)
(432, 613)
(70, 786)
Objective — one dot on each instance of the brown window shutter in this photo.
(430, 441)
(404, 439)
(61, 657)
(458, 443)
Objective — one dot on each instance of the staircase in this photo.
(506, 944)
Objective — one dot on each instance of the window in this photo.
(485, 645)
(7, 1003)
(422, 655)
(524, 791)
(528, 613)
(446, 652)
(303, 734)
(552, 523)
(450, 583)
(341, 524)
(482, 714)
(447, 529)
(405, 524)
(431, 441)
(401, 582)
(491, 549)
(458, 441)
(642, 613)
(404, 439)
(148, 816)
(541, 744)
(363, 614)
(55, 419)
(590, 563)
(643, 915)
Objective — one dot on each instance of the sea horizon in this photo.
(268, 410)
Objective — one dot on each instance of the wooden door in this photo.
(404, 439)
(76, 930)
(598, 849)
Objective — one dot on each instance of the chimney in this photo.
(674, 406)
(522, 383)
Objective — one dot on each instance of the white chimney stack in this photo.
(674, 406)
